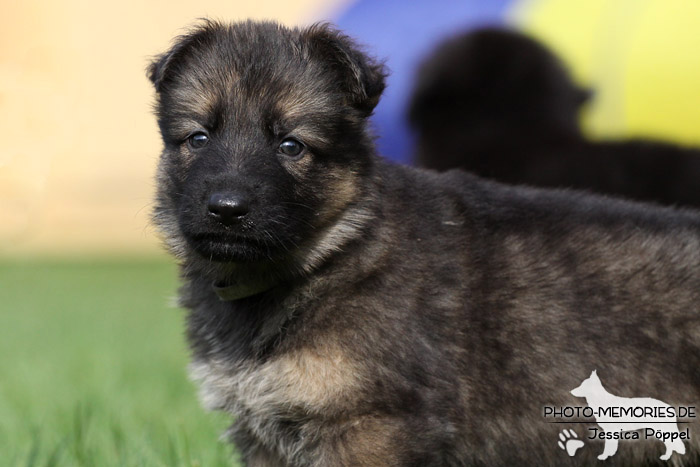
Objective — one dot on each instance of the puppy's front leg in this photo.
(262, 457)
(367, 440)
(253, 453)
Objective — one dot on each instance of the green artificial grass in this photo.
(93, 369)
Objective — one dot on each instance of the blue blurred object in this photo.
(404, 33)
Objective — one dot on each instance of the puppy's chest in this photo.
(296, 384)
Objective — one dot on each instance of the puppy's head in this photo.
(265, 138)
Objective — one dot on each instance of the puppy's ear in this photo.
(362, 77)
(162, 65)
(157, 68)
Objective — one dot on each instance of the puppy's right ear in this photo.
(156, 69)
(163, 65)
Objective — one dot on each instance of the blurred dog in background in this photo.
(499, 104)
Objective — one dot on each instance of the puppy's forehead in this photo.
(265, 67)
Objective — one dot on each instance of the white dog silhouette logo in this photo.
(638, 414)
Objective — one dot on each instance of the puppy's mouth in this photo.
(229, 248)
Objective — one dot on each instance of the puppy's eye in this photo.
(198, 140)
(291, 147)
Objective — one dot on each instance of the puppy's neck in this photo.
(237, 290)
(236, 281)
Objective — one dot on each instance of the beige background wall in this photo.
(79, 142)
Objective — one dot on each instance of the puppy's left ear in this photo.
(362, 77)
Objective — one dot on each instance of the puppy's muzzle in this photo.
(228, 208)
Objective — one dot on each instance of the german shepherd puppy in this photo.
(351, 312)
(500, 104)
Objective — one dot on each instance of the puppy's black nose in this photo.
(227, 208)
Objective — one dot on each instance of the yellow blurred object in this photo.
(79, 141)
(640, 56)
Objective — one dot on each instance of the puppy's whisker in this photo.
(301, 205)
